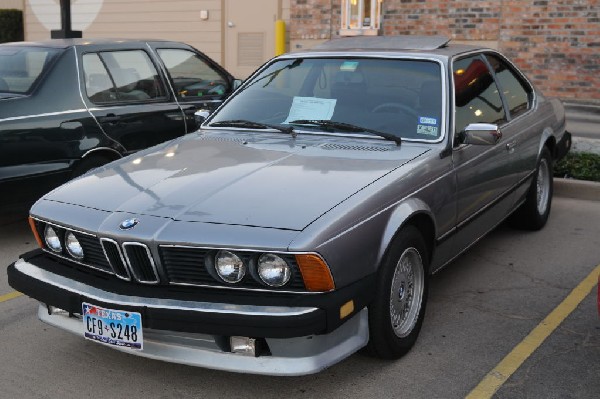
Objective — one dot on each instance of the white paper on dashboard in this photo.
(311, 108)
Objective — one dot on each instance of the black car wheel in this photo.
(534, 212)
(396, 314)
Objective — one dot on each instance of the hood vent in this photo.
(332, 146)
(222, 139)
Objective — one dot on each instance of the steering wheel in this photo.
(405, 109)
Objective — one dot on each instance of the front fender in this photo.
(403, 213)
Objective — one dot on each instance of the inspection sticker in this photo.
(428, 130)
(349, 66)
(427, 121)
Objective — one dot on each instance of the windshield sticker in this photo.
(349, 66)
(427, 121)
(427, 130)
(311, 108)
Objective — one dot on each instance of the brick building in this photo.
(557, 43)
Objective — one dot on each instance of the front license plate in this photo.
(113, 327)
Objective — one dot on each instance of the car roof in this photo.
(402, 44)
(66, 43)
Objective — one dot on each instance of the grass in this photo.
(581, 166)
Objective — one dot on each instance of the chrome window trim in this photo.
(118, 247)
(443, 74)
(155, 303)
(18, 118)
(482, 52)
(150, 257)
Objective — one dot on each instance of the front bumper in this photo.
(302, 334)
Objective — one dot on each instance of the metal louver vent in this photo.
(332, 146)
(250, 49)
(140, 262)
(115, 258)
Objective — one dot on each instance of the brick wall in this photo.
(556, 42)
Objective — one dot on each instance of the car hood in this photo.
(264, 180)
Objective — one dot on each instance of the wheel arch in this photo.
(547, 140)
(414, 212)
(105, 152)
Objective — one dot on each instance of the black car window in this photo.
(192, 76)
(517, 92)
(123, 76)
(21, 67)
(476, 96)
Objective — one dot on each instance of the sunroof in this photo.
(405, 42)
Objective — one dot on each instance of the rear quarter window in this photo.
(22, 67)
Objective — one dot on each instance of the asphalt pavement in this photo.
(480, 309)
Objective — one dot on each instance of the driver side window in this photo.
(192, 76)
(476, 96)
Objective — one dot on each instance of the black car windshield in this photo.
(397, 97)
(21, 67)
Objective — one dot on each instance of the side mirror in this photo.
(237, 83)
(481, 134)
(201, 115)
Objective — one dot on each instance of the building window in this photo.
(360, 17)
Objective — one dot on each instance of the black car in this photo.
(67, 106)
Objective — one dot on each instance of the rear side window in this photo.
(192, 76)
(517, 92)
(21, 67)
(476, 96)
(121, 76)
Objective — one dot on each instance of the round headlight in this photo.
(73, 246)
(229, 266)
(273, 270)
(52, 240)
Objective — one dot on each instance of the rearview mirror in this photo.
(481, 134)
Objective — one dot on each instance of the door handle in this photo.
(110, 118)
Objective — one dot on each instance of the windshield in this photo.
(396, 97)
(20, 67)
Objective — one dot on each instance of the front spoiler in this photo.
(289, 357)
(192, 332)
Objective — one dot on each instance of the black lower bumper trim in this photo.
(323, 320)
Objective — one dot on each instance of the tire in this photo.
(396, 314)
(533, 213)
(89, 163)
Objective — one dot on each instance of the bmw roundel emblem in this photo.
(128, 224)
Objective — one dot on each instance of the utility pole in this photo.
(65, 31)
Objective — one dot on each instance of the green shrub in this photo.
(581, 166)
(11, 26)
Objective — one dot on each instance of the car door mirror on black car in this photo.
(201, 115)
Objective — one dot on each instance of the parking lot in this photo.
(480, 308)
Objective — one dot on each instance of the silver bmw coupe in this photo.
(303, 221)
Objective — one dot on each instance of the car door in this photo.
(483, 173)
(198, 82)
(128, 96)
(524, 127)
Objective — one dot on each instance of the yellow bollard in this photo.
(279, 37)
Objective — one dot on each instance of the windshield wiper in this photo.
(346, 127)
(254, 125)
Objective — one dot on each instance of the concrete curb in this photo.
(579, 189)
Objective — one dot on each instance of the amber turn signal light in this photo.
(315, 273)
(35, 232)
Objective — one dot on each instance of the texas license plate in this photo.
(113, 327)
